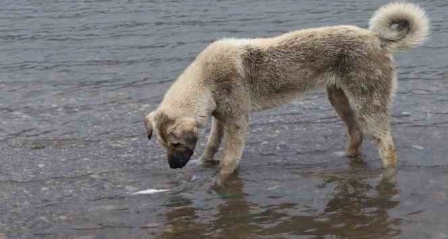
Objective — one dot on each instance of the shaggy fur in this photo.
(233, 77)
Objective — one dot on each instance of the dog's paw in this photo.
(352, 153)
(207, 161)
(204, 158)
(220, 180)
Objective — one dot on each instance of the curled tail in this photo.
(400, 26)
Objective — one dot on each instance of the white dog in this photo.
(233, 77)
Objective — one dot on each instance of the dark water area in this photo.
(77, 77)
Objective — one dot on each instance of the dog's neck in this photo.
(197, 105)
(188, 97)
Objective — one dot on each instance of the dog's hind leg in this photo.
(371, 106)
(340, 103)
(214, 140)
(377, 126)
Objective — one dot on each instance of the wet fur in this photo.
(233, 77)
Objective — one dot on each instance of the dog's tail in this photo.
(400, 26)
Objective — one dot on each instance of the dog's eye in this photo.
(175, 145)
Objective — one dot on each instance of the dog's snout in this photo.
(178, 159)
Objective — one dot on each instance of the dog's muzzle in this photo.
(178, 159)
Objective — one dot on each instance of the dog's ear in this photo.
(149, 124)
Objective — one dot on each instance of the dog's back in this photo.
(279, 69)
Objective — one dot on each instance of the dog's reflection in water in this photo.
(359, 206)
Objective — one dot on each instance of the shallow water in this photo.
(77, 77)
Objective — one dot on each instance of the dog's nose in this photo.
(177, 162)
(179, 159)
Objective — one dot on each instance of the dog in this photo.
(233, 77)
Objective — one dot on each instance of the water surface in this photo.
(77, 77)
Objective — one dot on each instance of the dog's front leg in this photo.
(234, 137)
(214, 140)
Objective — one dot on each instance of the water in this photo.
(77, 77)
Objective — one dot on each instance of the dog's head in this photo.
(177, 135)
